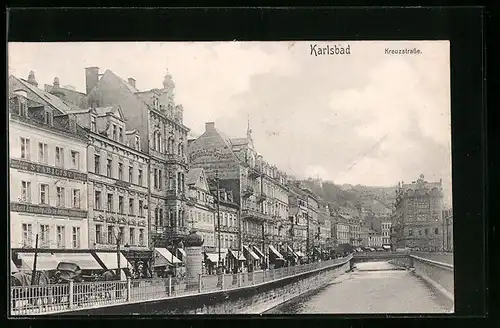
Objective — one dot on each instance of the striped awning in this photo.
(214, 257)
(259, 252)
(275, 252)
(235, 255)
(163, 257)
(183, 253)
(290, 250)
(251, 253)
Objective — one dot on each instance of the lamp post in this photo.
(218, 220)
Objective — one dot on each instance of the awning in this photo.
(317, 251)
(13, 267)
(290, 250)
(386, 246)
(259, 252)
(163, 257)
(275, 251)
(299, 254)
(214, 257)
(251, 253)
(183, 253)
(235, 255)
(84, 260)
(44, 261)
(110, 260)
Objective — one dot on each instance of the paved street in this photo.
(375, 287)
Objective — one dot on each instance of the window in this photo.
(120, 204)
(139, 177)
(156, 178)
(141, 209)
(42, 152)
(23, 109)
(137, 143)
(60, 197)
(120, 171)
(76, 237)
(25, 148)
(48, 118)
(98, 234)
(59, 157)
(76, 198)
(141, 237)
(161, 216)
(410, 232)
(121, 235)
(44, 194)
(156, 218)
(436, 231)
(97, 200)
(109, 164)
(27, 235)
(114, 132)
(93, 126)
(426, 231)
(97, 164)
(160, 185)
(111, 236)
(75, 160)
(130, 172)
(44, 236)
(25, 191)
(120, 134)
(131, 206)
(110, 203)
(61, 237)
(131, 237)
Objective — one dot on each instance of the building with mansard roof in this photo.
(257, 187)
(47, 173)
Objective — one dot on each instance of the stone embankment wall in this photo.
(439, 275)
(247, 300)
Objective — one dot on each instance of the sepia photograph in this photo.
(180, 178)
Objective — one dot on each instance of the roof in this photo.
(239, 141)
(193, 175)
(49, 98)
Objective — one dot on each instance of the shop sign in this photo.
(45, 169)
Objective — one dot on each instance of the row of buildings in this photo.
(113, 169)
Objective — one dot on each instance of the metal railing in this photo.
(55, 298)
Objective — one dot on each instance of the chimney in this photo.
(91, 78)
(210, 126)
(131, 81)
(31, 79)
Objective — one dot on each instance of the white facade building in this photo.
(48, 164)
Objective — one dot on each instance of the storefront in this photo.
(212, 262)
(262, 257)
(110, 261)
(234, 261)
(276, 260)
(165, 264)
(141, 263)
(253, 260)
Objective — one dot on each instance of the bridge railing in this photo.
(49, 299)
(436, 272)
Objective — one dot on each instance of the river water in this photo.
(373, 288)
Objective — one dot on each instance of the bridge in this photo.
(254, 292)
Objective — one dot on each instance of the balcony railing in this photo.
(254, 173)
(253, 214)
(247, 191)
(57, 298)
(261, 197)
(176, 159)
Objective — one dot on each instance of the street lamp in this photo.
(127, 249)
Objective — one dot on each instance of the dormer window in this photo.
(48, 118)
(93, 126)
(114, 132)
(120, 134)
(72, 124)
(137, 143)
(23, 108)
(155, 103)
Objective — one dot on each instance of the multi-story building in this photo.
(386, 232)
(163, 136)
(257, 187)
(117, 186)
(448, 230)
(364, 235)
(48, 164)
(341, 229)
(297, 200)
(200, 205)
(418, 219)
(374, 239)
(325, 228)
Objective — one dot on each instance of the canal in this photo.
(374, 288)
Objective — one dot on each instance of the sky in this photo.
(367, 118)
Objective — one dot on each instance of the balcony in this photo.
(247, 192)
(253, 173)
(191, 201)
(253, 214)
(175, 194)
(176, 159)
(224, 228)
(261, 197)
